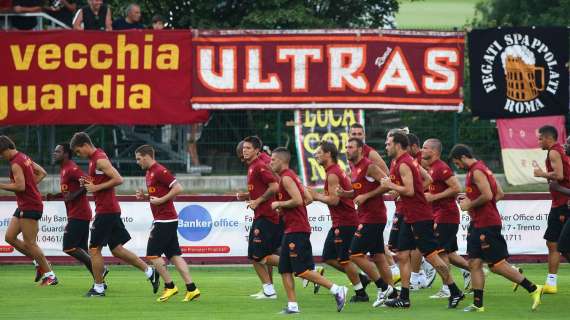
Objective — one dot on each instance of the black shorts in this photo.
(337, 244)
(34, 215)
(108, 230)
(487, 244)
(369, 238)
(556, 220)
(397, 222)
(446, 235)
(418, 235)
(163, 239)
(296, 254)
(564, 240)
(76, 234)
(264, 239)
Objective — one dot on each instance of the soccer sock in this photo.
(405, 293)
(148, 272)
(268, 289)
(83, 257)
(422, 279)
(359, 289)
(35, 263)
(414, 279)
(453, 289)
(293, 306)
(395, 269)
(169, 285)
(334, 289)
(551, 279)
(99, 287)
(529, 286)
(445, 288)
(381, 284)
(190, 286)
(49, 274)
(478, 298)
(364, 279)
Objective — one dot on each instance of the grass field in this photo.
(225, 295)
(439, 14)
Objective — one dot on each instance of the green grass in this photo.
(438, 14)
(225, 295)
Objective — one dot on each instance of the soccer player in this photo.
(357, 131)
(417, 230)
(557, 169)
(296, 254)
(344, 219)
(442, 193)
(564, 240)
(25, 175)
(74, 196)
(423, 273)
(264, 236)
(484, 241)
(162, 188)
(369, 238)
(108, 228)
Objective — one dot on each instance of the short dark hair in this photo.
(400, 138)
(284, 153)
(79, 139)
(356, 125)
(255, 141)
(145, 150)
(413, 139)
(436, 144)
(329, 147)
(157, 18)
(460, 150)
(549, 131)
(359, 142)
(66, 149)
(6, 143)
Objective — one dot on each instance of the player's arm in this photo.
(39, 172)
(291, 189)
(453, 189)
(480, 180)
(175, 190)
(425, 176)
(272, 188)
(108, 169)
(242, 196)
(331, 198)
(500, 194)
(375, 157)
(19, 183)
(308, 196)
(407, 187)
(557, 172)
(108, 20)
(78, 20)
(555, 186)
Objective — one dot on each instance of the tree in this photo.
(269, 14)
(518, 13)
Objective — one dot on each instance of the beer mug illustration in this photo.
(521, 74)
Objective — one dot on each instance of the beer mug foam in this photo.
(520, 68)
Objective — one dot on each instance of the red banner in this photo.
(304, 69)
(70, 77)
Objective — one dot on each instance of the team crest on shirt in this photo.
(151, 189)
(280, 196)
(64, 188)
(336, 232)
(256, 232)
(482, 237)
(468, 190)
(250, 187)
(292, 246)
(357, 186)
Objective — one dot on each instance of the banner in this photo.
(519, 147)
(70, 77)
(314, 126)
(220, 229)
(320, 69)
(518, 72)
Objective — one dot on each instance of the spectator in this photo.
(94, 16)
(131, 21)
(157, 22)
(62, 10)
(26, 6)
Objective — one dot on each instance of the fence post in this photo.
(279, 128)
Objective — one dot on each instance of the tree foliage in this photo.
(270, 14)
(518, 13)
